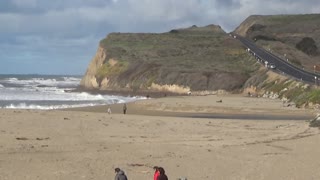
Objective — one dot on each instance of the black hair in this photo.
(117, 169)
(161, 170)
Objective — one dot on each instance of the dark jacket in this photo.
(120, 176)
(162, 177)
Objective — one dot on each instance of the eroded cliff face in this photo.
(89, 80)
(180, 61)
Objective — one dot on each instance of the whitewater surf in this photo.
(49, 92)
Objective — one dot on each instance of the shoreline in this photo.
(129, 93)
(167, 106)
(230, 116)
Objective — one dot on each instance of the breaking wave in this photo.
(49, 92)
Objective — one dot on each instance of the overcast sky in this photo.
(61, 36)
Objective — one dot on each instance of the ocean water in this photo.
(49, 92)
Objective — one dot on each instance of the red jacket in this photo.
(156, 175)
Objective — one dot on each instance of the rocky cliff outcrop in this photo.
(89, 80)
(181, 60)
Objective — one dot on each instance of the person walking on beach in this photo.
(124, 108)
(162, 175)
(120, 174)
(156, 173)
(109, 110)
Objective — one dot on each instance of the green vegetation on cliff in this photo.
(295, 38)
(202, 58)
(292, 37)
(108, 70)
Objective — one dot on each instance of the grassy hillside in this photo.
(202, 58)
(292, 37)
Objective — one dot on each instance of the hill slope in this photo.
(196, 59)
(293, 37)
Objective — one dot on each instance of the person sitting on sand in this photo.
(156, 173)
(162, 175)
(120, 174)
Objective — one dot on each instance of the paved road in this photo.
(281, 65)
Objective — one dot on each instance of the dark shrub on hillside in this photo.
(262, 37)
(308, 46)
(174, 31)
(256, 27)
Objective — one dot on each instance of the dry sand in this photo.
(88, 143)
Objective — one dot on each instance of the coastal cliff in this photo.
(179, 61)
(89, 81)
(205, 60)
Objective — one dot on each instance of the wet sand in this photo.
(87, 143)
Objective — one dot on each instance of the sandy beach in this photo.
(181, 134)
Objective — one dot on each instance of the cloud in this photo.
(60, 31)
(45, 15)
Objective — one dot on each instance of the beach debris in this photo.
(220, 101)
(315, 122)
(22, 138)
(136, 164)
(44, 145)
(40, 139)
(66, 118)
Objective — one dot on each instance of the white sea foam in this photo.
(15, 94)
(13, 79)
(48, 107)
(63, 106)
(34, 82)
(72, 79)
(49, 92)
